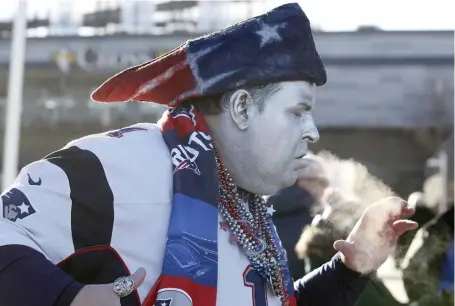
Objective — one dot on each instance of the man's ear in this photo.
(240, 103)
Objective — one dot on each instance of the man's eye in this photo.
(298, 114)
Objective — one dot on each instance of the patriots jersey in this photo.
(99, 208)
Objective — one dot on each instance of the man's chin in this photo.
(289, 182)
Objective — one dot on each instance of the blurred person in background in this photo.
(428, 265)
(426, 256)
(424, 212)
(295, 207)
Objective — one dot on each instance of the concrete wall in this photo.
(375, 79)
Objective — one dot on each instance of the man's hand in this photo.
(375, 235)
(104, 295)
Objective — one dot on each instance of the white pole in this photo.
(14, 102)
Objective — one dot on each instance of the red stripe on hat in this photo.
(169, 86)
(124, 86)
(199, 294)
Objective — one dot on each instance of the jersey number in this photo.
(254, 280)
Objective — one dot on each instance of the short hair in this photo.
(215, 105)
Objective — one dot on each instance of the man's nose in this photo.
(310, 132)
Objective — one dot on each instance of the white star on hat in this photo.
(268, 34)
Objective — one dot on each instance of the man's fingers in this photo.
(344, 247)
(407, 211)
(138, 277)
(402, 226)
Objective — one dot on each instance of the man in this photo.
(169, 200)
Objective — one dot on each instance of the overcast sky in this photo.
(330, 15)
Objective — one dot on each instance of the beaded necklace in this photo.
(251, 230)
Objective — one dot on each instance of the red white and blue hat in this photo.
(273, 47)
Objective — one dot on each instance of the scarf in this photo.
(190, 266)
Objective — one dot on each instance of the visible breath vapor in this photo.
(352, 190)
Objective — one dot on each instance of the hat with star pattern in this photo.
(273, 47)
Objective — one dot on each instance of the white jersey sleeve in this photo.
(65, 202)
(38, 205)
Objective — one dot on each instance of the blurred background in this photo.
(388, 103)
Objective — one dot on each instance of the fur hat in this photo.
(273, 47)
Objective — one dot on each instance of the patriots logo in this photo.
(163, 302)
(187, 164)
(119, 133)
(16, 205)
(184, 113)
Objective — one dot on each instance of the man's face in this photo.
(278, 137)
